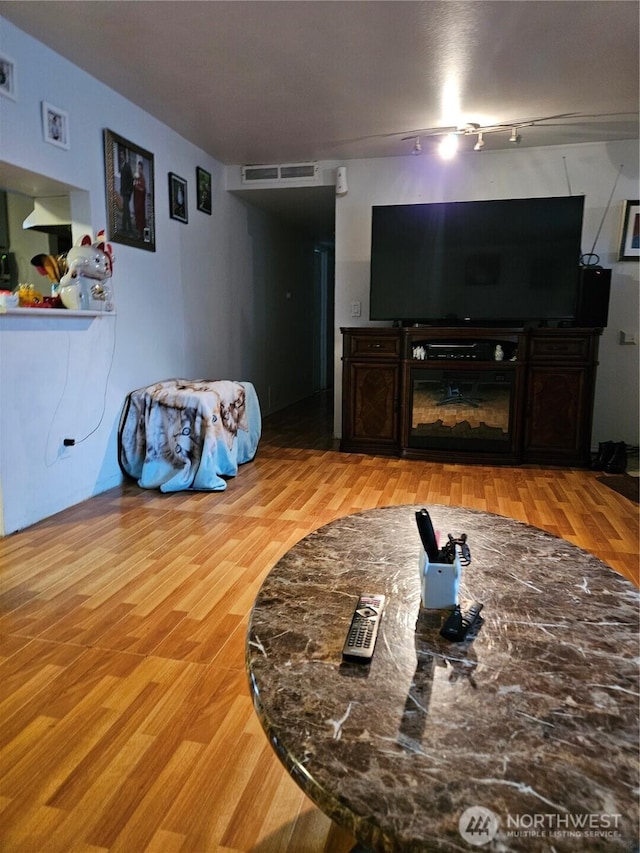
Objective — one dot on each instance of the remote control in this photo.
(361, 638)
(428, 535)
(459, 624)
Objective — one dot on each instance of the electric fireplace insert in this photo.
(461, 409)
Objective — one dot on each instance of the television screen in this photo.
(476, 262)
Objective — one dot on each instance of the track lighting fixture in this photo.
(449, 139)
(449, 135)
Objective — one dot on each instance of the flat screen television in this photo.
(500, 262)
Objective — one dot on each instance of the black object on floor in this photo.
(611, 457)
(605, 452)
(618, 462)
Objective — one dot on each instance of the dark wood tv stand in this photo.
(439, 393)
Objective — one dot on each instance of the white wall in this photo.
(590, 169)
(210, 302)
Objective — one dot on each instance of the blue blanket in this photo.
(189, 434)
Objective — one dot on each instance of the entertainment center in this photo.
(493, 351)
(438, 393)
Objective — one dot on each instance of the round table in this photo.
(522, 738)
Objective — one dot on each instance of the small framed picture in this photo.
(130, 193)
(178, 198)
(203, 183)
(55, 125)
(630, 237)
(7, 77)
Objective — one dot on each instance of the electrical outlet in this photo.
(355, 309)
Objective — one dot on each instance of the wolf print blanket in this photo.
(188, 434)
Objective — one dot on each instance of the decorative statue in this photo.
(85, 284)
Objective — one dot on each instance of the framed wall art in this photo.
(130, 193)
(55, 125)
(7, 77)
(630, 237)
(178, 198)
(203, 183)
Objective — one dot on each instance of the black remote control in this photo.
(361, 638)
(459, 624)
(427, 535)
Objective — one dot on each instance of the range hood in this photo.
(49, 213)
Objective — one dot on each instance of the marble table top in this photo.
(524, 738)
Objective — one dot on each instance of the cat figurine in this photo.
(84, 286)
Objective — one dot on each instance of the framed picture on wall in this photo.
(8, 77)
(130, 193)
(178, 198)
(203, 183)
(630, 237)
(55, 125)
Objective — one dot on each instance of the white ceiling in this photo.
(281, 82)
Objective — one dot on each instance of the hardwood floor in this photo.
(125, 717)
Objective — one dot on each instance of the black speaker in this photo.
(594, 287)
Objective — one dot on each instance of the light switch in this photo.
(355, 309)
(628, 338)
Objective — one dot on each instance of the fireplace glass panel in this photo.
(461, 409)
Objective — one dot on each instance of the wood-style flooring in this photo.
(126, 722)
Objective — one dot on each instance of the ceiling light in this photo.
(449, 146)
(417, 148)
(515, 136)
(480, 143)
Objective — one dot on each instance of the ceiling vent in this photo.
(283, 173)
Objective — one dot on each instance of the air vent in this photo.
(260, 173)
(299, 171)
(289, 173)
